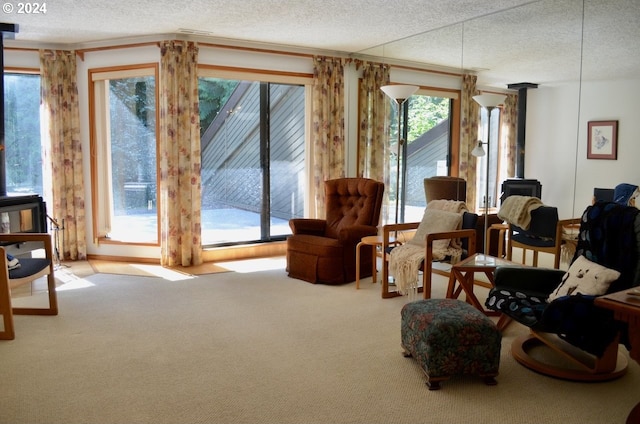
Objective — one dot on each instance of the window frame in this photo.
(453, 159)
(495, 150)
(277, 77)
(46, 178)
(99, 182)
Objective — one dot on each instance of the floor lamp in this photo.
(490, 102)
(399, 94)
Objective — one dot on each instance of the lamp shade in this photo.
(478, 151)
(399, 92)
(489, 100)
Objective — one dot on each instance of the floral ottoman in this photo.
(449, 337)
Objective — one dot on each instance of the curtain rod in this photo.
(81, 53)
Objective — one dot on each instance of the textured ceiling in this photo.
(503, 41)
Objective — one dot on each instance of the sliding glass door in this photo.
(427, 152)
(253, 147)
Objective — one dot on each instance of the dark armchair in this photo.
(559, 307)
(324, 250)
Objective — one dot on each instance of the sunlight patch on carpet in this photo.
(255, 265)
(67, 280)
(176, 273)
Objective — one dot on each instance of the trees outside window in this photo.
(23, 143)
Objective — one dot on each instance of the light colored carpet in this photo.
(258, 347)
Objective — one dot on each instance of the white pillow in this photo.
(436, 221)
(585, 277)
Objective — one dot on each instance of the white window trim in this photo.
(103, 204)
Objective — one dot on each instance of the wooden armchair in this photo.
(30, 269)
(466, 235)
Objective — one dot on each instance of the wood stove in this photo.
(18, 213)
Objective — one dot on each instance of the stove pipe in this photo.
(522, 88)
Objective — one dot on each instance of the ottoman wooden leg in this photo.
(434, 383)
(490, 380)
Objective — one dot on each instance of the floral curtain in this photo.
(508, 131)
(63, 149)
(373, 131)
(328, 125)
(469, 119)
(180, 183)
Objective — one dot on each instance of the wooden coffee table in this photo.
(463, 275)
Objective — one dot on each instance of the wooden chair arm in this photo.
(428, 262)
(387, 230)
(502, 229)
(569, 221)
(44, 238)
(393, 228)
(470, 234)
(562, 223)
(24, 237)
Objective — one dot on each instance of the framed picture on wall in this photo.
(602, 140)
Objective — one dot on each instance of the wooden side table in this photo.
(375, 242)
(626, 308)
(463, 273)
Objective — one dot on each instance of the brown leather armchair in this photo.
(324, 250)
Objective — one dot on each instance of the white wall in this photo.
(556, 140)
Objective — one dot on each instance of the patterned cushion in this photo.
(521, 306)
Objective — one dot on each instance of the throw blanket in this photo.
(456, 206)
(516, 210)
(625, 194)
(405, 260)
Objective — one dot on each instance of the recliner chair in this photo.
(571, 324)
(324, 250)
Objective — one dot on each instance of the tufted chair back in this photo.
(352, 201)
(324, 250)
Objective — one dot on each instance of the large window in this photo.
(253, 159)
(427, 151)
(124, 154)
(23, 145)
(493, 157)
